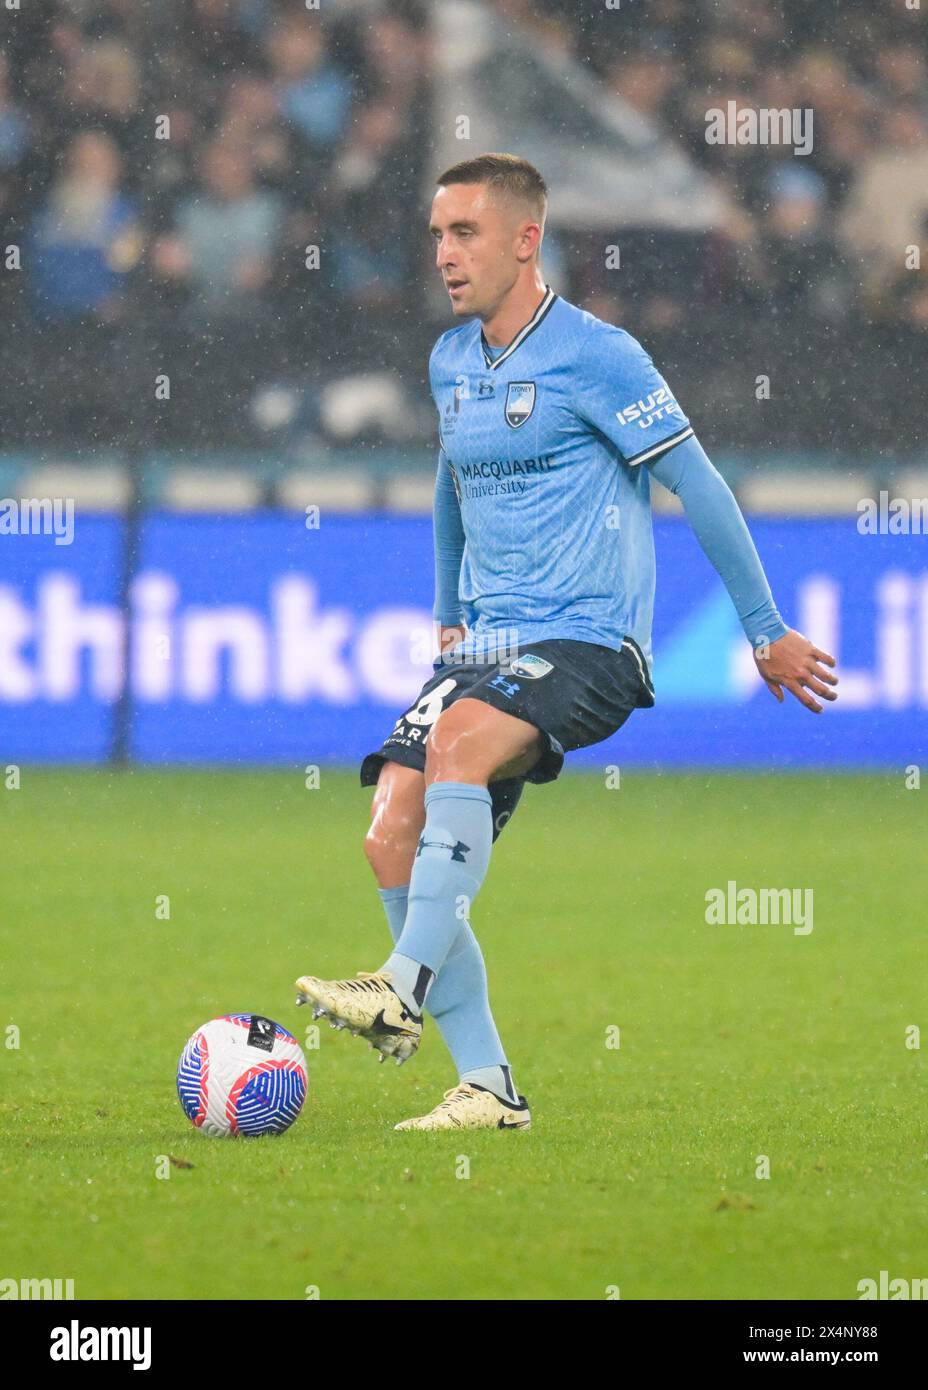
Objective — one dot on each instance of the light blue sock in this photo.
(450, 865)
(394, 905)
(459, 1002)
(496, 1079)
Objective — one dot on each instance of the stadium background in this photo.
(265, 251)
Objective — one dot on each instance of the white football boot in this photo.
(369, 1006)
(469, 1106)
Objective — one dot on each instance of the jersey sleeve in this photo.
(447, 528)
(721, 530)
(623, 396)
(448, 531)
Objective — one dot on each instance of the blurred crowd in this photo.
(822, 234)
(230, 192)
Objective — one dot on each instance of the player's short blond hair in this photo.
(515, 178)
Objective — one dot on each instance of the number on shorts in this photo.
(429, 707)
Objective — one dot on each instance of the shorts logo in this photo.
(520, 402)
(532, 667)
(507, 688)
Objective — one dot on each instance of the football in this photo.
(242, 1074)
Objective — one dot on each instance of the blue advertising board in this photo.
(259, 639)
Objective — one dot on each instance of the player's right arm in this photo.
(448, 532)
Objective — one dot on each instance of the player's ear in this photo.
(529, 241)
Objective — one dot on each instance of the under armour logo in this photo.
(459, 851)
(508, 688)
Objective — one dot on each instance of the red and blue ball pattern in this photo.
(242, 1075)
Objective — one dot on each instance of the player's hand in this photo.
(792, 663)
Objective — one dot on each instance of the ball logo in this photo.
(261, 1033)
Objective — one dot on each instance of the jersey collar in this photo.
(523, 333)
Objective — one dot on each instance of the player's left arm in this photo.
(785, 658)
(623, 396)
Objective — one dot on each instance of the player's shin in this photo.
(450, 864)
(459, 1002)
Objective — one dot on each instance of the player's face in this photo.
(476, 244)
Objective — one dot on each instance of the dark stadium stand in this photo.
(290, 129)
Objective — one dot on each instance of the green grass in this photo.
(640, 1168)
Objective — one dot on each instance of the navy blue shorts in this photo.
(574, 693)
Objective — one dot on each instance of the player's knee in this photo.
(393, 829)
(454, 745)
(373, 845)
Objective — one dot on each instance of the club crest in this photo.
(520, 402)
(531, 666)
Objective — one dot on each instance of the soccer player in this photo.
(552, 424)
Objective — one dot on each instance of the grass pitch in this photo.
(639, 1172)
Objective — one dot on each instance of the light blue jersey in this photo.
(544, 442)
(543, 501)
